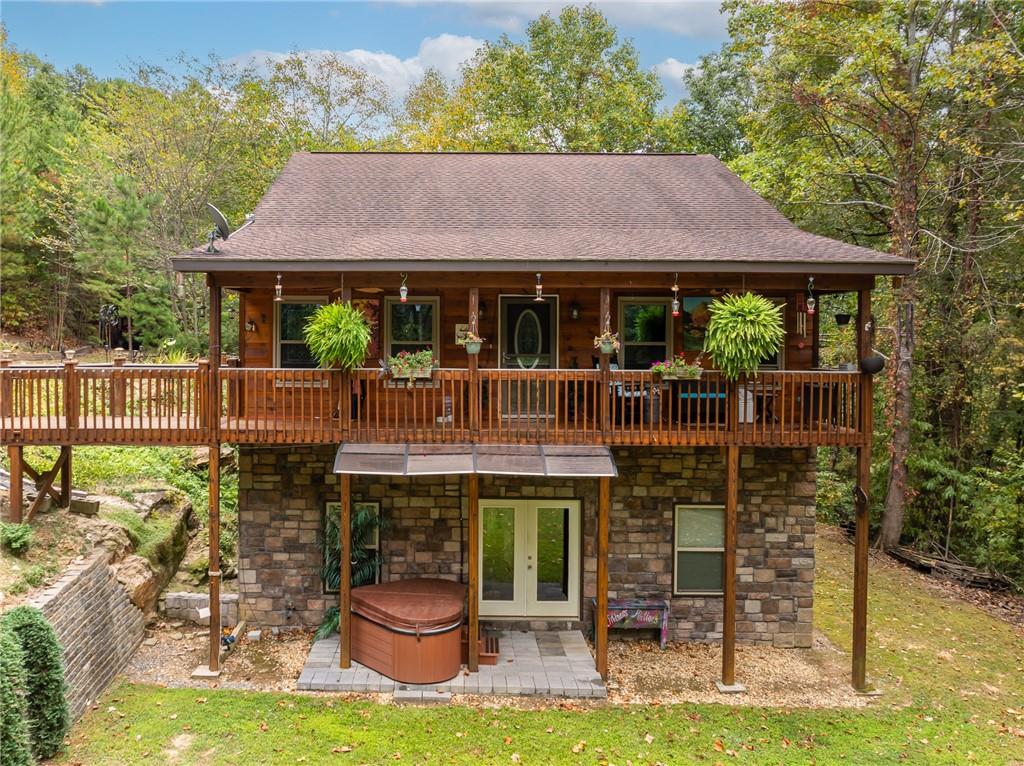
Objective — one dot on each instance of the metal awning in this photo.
(554, 460)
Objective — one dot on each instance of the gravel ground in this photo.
(818, 677)
(172, 650)
(640, 671)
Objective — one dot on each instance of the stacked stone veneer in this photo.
(96, 624)
(184, 605)
(283, 493)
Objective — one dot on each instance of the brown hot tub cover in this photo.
(419, 605)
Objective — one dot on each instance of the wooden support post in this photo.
(65, 476)
(44, 482)
(473, 544)
(732, 477)
(118, 385)
(604, 502)
(605, 400)
(214, 343)
(6, 386)
(71, 397)
(862, 498)
(473, 362)
(15, 496)
(214, 558)
(345, 579)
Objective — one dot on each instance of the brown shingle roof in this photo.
(375, 210)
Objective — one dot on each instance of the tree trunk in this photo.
(902, 407)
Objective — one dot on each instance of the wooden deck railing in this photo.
(135, 404)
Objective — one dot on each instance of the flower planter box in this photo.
(677, 376)
(422, 374)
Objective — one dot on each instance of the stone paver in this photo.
(556, 664)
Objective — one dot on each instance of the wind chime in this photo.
(805, 307)
(675, 295)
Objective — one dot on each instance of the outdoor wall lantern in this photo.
(574, 310)
(675, 295)
(278, 289)
(250, 325)
(403, 291)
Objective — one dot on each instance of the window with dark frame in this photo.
(645, 330)
(411, 326)
(699, 549)
(292, 315)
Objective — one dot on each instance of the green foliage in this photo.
(16, 538)
(366, 562)
(743, 331)
(47, 707)
(571, 86)
(338, 335)
(148, 536)
(33, 576)
(330, 624)
(14, 733)
(404, 363)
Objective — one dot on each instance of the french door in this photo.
(529, 558)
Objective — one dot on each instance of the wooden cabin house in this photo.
(547, 476)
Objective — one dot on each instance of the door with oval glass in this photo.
(529, 558)
(528, 340)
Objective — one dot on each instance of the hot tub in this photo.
(409, 630)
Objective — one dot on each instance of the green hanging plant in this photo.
(338, 335)
(744, 331)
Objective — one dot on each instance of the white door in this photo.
(529, 558)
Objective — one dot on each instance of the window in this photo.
(292, 315)
(699, 548)
(646, 332)
(411, 326)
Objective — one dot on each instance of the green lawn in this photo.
(953, 680)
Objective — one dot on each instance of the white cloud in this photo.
(687, 18)
(670, 72)
(445, 52)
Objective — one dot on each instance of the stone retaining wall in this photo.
(97, 626)
(283, 493)
(185, 605)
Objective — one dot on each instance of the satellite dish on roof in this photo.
(221, 229)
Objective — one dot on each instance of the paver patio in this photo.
(552, 663)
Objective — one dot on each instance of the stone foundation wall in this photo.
(97, 626)
(283, 493)
(185, 605)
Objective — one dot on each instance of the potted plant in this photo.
(338, 335)
(677, 368)
(607, 341)
(473, 343)
(411, 364)
(743, 331)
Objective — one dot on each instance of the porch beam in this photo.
(732, 474)
(345, 576)
(601, 613)
(473, 543)
(213, 557)
(862, 499)
(472, 364)
(15, 493)
(314, 278)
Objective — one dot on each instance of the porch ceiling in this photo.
(551, 460)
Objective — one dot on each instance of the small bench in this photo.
(638, 614)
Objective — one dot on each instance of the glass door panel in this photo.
(501, 590)
(552, 558)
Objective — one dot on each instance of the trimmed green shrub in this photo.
(744, 331)
(14, 747)
(15, 537)
(48, 718)
(338, 335)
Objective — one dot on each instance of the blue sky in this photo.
(395, 40)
